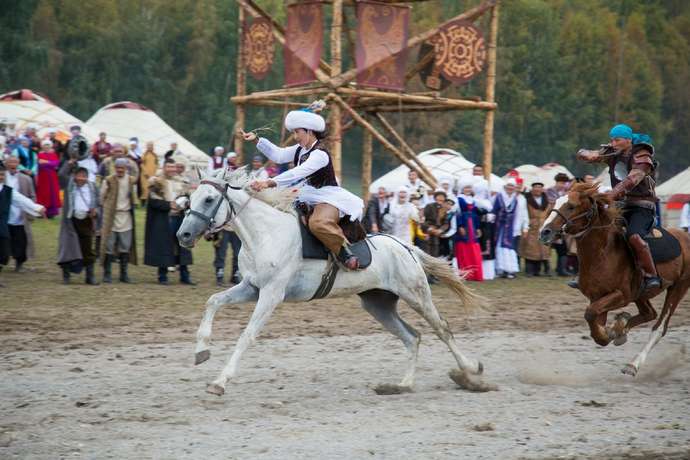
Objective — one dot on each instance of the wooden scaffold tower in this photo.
(452, 52)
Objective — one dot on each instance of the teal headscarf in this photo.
(625, 132)
(621, 131)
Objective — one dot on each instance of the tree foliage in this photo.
(567, 71)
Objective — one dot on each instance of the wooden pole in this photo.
(277, 93)
(413, 98)
(431, 181)
(241, 87)
(367, 149)
(490, 94)
(405, 146)
(336, 132)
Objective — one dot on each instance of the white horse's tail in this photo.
(448, 276)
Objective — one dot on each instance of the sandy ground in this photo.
(312, 397)
(106, 372)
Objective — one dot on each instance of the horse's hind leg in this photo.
(382, 305)
(673, 297)
(243, 292)
(420, 301)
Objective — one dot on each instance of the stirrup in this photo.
(349, 260)
(651, 282)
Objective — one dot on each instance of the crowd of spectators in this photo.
(484, 233)
(97, 192)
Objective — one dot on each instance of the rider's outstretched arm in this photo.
(274, 153)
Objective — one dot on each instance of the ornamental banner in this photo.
(459, 55)
(303, 42)
(258, 47)
(381, 52)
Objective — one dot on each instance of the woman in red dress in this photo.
(467, 250)
(47, 187)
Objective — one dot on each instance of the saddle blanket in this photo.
(663, 245)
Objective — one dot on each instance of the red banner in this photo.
(381, 38)
(303, 42)
(258, 46)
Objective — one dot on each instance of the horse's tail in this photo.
(448, 276)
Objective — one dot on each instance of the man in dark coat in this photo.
(377, 207)
(435, 224)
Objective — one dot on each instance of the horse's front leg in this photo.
(269, 297)
(243, 292)
(596, 316)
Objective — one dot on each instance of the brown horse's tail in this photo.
(448, 276)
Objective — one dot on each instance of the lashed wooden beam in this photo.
(288, 92)
(402, 97)
(430, 180)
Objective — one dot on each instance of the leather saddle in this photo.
(662, 245)
(312, 248)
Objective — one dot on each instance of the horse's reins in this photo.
(590, 214)
(223, 191)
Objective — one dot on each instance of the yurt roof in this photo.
(124, 120)
(23, 108)
(442, 162)
(678, 184)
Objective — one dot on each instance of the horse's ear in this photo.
(199, 173)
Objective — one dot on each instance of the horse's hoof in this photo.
(464, 381)
(629, 369)
(390, 389)
(215, 389)
(201, 356)
(620, 340)
(480, 368)
(623, 316)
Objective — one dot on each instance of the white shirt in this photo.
(521, 222)
(685, 216)
(21, 202)
(258, 174)
(280, 155)
(82, 199)
(16, 217)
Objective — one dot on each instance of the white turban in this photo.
(305, 120)
(231, 155)
(510, 181)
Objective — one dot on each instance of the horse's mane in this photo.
(604, 203)
(279, 198)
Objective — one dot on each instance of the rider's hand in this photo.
(257, 185)
(249, 137)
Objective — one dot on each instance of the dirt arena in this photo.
(107, 372)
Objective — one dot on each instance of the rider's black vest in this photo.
(322, 177)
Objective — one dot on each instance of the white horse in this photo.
(273, 271)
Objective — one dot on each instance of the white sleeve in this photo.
(277, 154)
(452, 230)
(685, 216)
(317, 160)
(414, 213)
(25, 204)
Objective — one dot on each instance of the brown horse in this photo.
(609, 277)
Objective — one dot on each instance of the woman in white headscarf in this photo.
(400, 214)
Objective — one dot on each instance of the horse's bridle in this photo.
(590, 215)
(210, 220)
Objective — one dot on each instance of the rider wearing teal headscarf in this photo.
(630, 157)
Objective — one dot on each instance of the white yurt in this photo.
(23, 108)
(124, 120)
(443, 164)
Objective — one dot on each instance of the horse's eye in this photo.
(209, 200)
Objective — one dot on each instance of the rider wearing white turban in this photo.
(313, 167)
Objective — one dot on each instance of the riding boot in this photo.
(185, 277)
(107, 268)
(90, 277)
(220, 273)
(644, 260)
(124, 261)
(163, 276)
(349, 260)
(65, 274)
